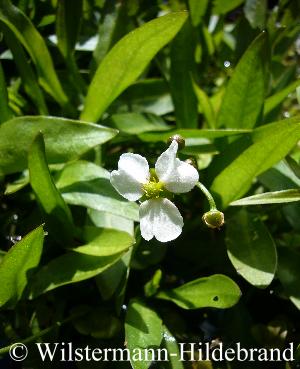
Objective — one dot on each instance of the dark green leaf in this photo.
(289, 274)
(67, 25)
(58, 215)
(251, 249)
(143, 330)
(127, 60)
(183, 67)
(216, 291)
(5, 112)
(244, 95)
(16, 265)
(64, 139)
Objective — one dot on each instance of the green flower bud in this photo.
(213, 219)
(179, 139)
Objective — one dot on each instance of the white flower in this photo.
(159, 217)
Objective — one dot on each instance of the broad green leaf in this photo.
(255, 12)
(58, 215)
(251, 248)
(276, 197)
(183, 67)
(16, 265)
(273, 101)
(33, 42)
(244, 95)
(197, 10)
(216, 291)
(271, 144)
(127, 60)
(192, 133)
(86, 184)
(289, 273)
(27, 74)
(143, 330)
(5, 112)
(64, 139)
(90, 260)
(136, 123)
(205, 106)
(223, 7)
(169, 341)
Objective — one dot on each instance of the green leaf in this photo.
(223, 7)
(82, 263)
(205, 106)
(183, 67)
(276, 197)
(255, 12)
(244, 95)
(136, 123)
(17, 264)
(34, 43)
(5, 112)
(150, 95)
(289, 274)
(27, 74)
(271, 143)
(58, 215)
(216, 291)
(192, 133)
(143, 330)
(197, 10)
(273, 101)
(64, 139)
(127, 60)
(67, 25)
(173, 352)
(251, 249)
(86, 184)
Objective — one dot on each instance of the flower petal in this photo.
(132, 173)
(177, 176)
(161, 219)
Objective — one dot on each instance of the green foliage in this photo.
(83, 82)
(16, 265)
(214, 291)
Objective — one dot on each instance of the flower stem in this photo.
(208, 195)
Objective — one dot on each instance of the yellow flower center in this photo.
(153, 189)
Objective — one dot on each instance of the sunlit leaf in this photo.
(17, 264)
(127, 60)
(216, 291)
(251, 249)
